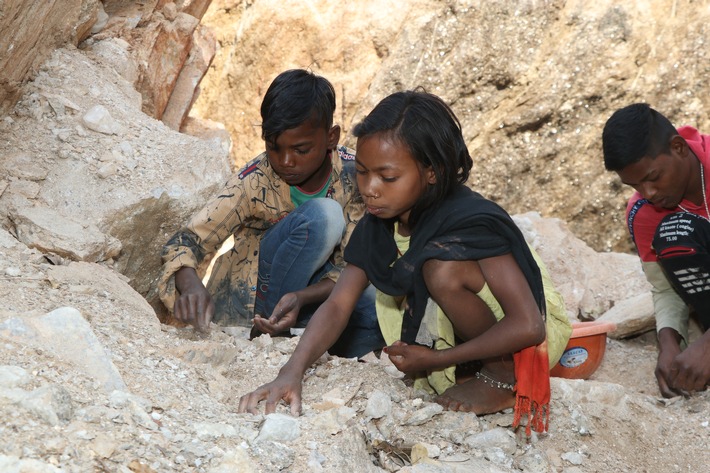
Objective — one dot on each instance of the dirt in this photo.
(189, 384)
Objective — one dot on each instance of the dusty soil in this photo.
(183, 389)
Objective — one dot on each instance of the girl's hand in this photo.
(284, 316)
(412, 358)
(286, 386)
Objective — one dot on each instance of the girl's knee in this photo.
(445, 278)
(440, 278)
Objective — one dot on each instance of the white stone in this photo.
(99, 119)
(13, 376)
(280, 428)
(379, 404)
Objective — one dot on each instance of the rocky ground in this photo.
(91, 381)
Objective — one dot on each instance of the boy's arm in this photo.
(181, 251)
(672, 316)
(671, 312)
(194, 245)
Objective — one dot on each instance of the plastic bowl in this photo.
(584, 351)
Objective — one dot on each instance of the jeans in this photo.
(295, 253)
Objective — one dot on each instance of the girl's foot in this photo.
(480, 394)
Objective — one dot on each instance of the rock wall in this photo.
(532, 81)
(85, 173)
(169, 53)
(31, 30)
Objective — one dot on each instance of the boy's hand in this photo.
(285, 386)
(411, 358)
(663, 372)
(284, 316)
(690, 370)
(194, 306)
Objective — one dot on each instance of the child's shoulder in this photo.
(250, 167)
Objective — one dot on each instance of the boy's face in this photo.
(662, 180)
(300, 155)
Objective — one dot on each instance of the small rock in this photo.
(103, 446)
(279, 428)
(334, 420)
(498, 437)
(107, 170)
(424, 414)
(13, 376)
(170, 11)
(574, 458)
(101, 20)
(275, 454)
(52, 403)
(422, 451)
(99, 119)
(379, 405)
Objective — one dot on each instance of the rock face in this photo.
(532, 82)
(160, 33)
(30, 32)
(169, 48)
(84, 186)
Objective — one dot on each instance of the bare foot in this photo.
(477, 396)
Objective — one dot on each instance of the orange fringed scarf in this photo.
(532, 388)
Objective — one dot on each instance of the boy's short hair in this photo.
(294, 97)
(634, 132)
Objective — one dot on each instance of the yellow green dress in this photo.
(436, 329)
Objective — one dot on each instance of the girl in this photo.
(456, 281)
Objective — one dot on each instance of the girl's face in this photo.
(389, 178)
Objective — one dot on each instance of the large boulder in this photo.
(170, 50)
(589, 281)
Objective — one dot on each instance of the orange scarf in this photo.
(532, 388)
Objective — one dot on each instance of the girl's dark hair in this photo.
(634, 132)
(294, 97)
(428, 127)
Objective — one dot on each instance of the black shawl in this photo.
(465, 226)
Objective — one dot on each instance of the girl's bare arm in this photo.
(324, 328)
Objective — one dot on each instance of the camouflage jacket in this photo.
(251, 202)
